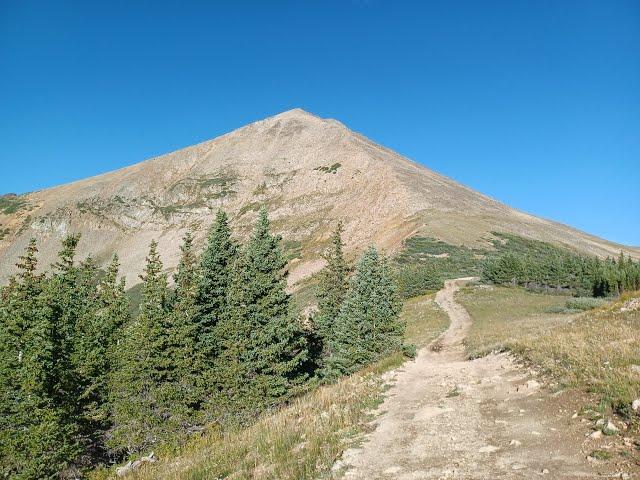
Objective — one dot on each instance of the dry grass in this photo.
(303, 439)
(597, 351)
(503, 316)
(425, 320)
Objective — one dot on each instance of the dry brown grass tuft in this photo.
(596, 351)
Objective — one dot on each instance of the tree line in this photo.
(585, 276)
(83, 382)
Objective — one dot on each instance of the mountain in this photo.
(309, 171)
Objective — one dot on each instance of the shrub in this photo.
(585, 303)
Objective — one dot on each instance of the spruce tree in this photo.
(368, 324)
(95, 343)
(142, 367)
(216, 265)
(186, 382)
(332, 289)
(38, 434)
(263, 348)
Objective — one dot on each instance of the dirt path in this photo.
(446, 417)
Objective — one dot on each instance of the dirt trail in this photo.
(447, 417)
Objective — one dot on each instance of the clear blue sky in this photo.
(536, 103)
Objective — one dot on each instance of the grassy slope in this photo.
(593, 351)
(503, 316)
(302, 440)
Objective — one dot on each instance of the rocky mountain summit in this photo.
(310, 172)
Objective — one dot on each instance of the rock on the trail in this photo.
(515, 443)
(635, 405)
(488, 449)
(595, 435)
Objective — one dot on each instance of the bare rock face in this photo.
(310, 173)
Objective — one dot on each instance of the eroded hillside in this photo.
(310, 172)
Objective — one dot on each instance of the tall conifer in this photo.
(38, 437)
(332, 289)
(216, 265)
(263, 348)
(142, 366)
(186, 373)
(368, 325)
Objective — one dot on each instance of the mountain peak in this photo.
(310, 172)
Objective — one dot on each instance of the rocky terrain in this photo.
(310, 172)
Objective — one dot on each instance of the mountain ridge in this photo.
(309, 171)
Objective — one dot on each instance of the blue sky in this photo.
(535, 103)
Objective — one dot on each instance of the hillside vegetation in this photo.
(424, 264)
(301, 440)
(85, 384)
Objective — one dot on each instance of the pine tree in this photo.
(95, 342)
(263, 348)
(186, 389)
(38, 436)
(368, 325)
(215, 276)
(332, 289)
(142, 367)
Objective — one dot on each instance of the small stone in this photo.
(489, 449)
(545, 471)
(517, 466)
(575, 415)
(595, 435)
(532, 385)
(635, 405)
(600, 423)
(515, 443)
(611, 428)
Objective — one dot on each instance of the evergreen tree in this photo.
(263, 348)
(38, 436)
(368, 325)
(142, 366)
(95, 342)
(186, 382)
(215, 276)
(332, 289)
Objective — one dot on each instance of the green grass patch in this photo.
(329, 169)
(11, 203)
(601, 455)
(504, 315)
(424, 263)
(424, 319)
(585, 303)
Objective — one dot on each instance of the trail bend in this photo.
(446, 417)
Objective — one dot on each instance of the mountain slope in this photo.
(310, 172)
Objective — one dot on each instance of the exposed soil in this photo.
(448, 417)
